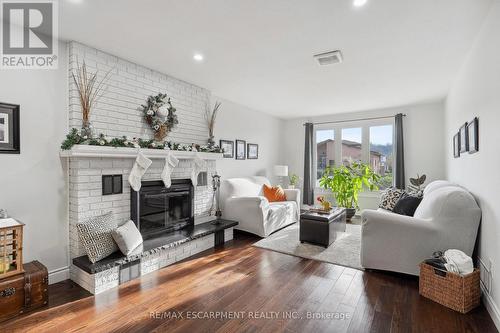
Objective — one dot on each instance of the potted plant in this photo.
(346, 182)
(293, 180)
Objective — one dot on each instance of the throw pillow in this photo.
(95, 236)
(415, 192)
(274, 193)
(127, 237)
(407, 205)
(390, 197)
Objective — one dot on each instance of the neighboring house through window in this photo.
(368, 142)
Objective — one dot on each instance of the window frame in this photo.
(365, 143)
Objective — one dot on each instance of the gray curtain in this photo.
(399, 175)
(308, 198)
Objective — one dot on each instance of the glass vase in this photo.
(87, 130)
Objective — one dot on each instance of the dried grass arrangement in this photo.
(90, 89)
(211, 116)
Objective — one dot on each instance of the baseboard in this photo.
(492, 308)
(58, 275)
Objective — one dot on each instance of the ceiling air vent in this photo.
(329, 58)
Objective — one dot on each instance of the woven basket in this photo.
(457, 292)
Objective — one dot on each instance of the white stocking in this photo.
(198, 165)
(170, 163)
(141, 164)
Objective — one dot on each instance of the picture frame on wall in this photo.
(464, 140)
(227, 147)
(240, 149)
(9, 129)
(473, 135)
(456, 145)
(252, 151)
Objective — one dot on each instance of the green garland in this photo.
(74, 138)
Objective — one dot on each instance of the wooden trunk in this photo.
(24, 292)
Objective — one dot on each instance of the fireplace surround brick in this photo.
(116, 114)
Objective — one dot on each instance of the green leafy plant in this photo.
(346, 182)
(293, 179)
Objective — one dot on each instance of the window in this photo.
(351, 145)
(325, 150)
(369, 142)
(381, 153)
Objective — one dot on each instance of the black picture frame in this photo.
(223, 144)
(464, 139)
(473, 135)
(252, 151)
(240, 150)
(9, 129)
(456, 145)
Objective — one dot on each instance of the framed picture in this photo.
(240, 149)
(227, 148)
(473, 136)
(252, 151)
(456, 145)
(464, 140)
(9, 129)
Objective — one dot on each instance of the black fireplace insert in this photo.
(156, 209)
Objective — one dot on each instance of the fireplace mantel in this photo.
(120, 152)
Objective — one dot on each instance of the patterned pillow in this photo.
(390, 197)
(95, 236)
(415, 192)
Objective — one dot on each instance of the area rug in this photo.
(344, 251)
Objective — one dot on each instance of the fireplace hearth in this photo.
(157, 210)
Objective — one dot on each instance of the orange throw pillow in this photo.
(274, 193)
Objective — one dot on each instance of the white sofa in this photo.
(242, 200)
(447, 218)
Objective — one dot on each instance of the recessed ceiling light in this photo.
(198, 57)
(359, 3)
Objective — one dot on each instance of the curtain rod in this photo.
(351, 120)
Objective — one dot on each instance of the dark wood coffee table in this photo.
(322, 229)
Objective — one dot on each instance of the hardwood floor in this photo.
(264, 291)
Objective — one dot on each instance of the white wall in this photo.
(239, 122)
(423, 139)
(32, 184)
(118, 112)
(475, 93)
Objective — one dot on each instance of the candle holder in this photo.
(216, 199)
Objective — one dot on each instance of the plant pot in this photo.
(350, 212)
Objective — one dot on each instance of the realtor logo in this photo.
(29, 34)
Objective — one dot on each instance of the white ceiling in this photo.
(259, 52)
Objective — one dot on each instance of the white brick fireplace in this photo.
(88, 164)
(85, 190)
(118, 113)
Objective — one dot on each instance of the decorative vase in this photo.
(211, 141)
(87, 130)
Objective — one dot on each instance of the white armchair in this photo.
(242, 201)
(447, 218)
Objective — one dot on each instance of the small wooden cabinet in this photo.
(11, 247)
(24, 292)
